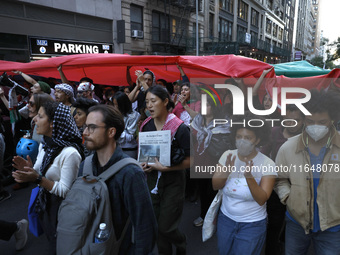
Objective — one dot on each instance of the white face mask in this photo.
(317, 132)
(244, 147)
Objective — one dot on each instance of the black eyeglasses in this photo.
(31, 103)
(92, 127)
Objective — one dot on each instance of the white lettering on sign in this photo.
(42, 42)
(75, 48)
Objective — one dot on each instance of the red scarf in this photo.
(172, 123)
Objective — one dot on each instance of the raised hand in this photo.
(248, 170)
(28, 174)
(230, 161)
(265, 72)
(20, 163)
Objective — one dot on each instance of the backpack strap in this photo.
(109, 173)
(87, 167)
(116, 167)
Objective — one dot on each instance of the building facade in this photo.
(316, 31)
(261, 29)
(308, 33)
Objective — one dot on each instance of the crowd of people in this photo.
(262, 209)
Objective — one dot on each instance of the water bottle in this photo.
(102, 234)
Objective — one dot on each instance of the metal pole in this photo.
(197, 46)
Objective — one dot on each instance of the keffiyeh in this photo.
(64, 134)
(67, 89)
(204, 134)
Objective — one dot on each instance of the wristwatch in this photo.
(38, 180)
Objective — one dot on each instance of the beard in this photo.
(96, 145)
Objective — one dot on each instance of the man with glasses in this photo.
(129, 194)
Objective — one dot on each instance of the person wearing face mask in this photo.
(311, 191)
(246, 182)
(275, 209)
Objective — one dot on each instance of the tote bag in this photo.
(209, 224)
(33, 217)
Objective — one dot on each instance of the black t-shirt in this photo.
(182, 135)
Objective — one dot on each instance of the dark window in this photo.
(227, 5)
(254, 17)
(270, 4)
(280, 34)
(269, 26)
(211, 25)
(160, 27)
(242, 10)
(254, 36)
(241, 33)
(275, 30)
(136, 14)
(225, 30)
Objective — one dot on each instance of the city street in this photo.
(15, 209)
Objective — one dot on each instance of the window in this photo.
(241, 33)
(280, 34)
(254, 17)
(225, 30)
(227, 5)
(136, 14)
(269, 26)
(174, 26)
(270, 4)
(275, 30)
(211, 25)
(254, 36)
(242, 10)
(160, 27)
(281, 15)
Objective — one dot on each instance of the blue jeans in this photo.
(240, 238)
(298, 242)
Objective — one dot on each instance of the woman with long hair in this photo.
(167, 183)
(35, 102)
(56, 166)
